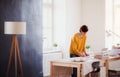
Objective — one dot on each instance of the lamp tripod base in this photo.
(14, 51)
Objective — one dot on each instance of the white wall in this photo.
(71, 14)
(93, 15)
(73, 19)
(67, 16)
(60, 24)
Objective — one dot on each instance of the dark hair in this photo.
(83, 28)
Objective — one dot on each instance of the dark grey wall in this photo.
(30, 44)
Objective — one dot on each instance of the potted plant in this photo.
(87, 47)
(55, 46)
(118, 44)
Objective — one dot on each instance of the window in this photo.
(54, 25)
(47, 24)
(116, 21)
(112, 23)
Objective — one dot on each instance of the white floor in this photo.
(46, 76)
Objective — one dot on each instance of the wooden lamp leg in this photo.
(15, 50)
(15, 59)
(18, 55)
(10, 57)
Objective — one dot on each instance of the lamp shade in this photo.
(11, 27)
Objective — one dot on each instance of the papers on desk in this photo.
(107, 54)
(114, 52)
(78, 59)
(82, 59)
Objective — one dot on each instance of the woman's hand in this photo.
(86, 54)
(82, 55)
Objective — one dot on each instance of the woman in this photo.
(77, 46)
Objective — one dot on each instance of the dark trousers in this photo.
(74, 69)
(73, 55)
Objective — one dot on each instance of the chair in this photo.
(96, 70)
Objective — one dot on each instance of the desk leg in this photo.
(78, 71)
(83, 76)
(106, 65)
(51, 69)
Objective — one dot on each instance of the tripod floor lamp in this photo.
(14, 28)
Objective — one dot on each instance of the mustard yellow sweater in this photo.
(77, 44)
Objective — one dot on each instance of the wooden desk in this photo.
(106, 63)
(63, 68)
